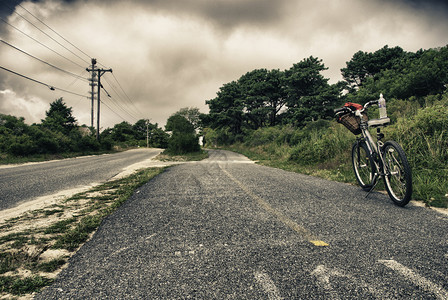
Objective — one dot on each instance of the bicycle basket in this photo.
(350, 121)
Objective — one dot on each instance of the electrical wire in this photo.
(55, 31)
(42, 61)
(118, 105)
(115, 103)
(76, 79)
(134, 111)
(130, 100)
(50, 36)
(117, 114)
(3, 20)
(42, 83)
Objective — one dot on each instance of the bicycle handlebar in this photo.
(338, 110)
(344, 109)
(373, 102)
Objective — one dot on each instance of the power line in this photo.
(42, 61)
(134, 112)
(49, 36)
(132, 103)
(41, 43)
(119, 106)
(55, 32)
(113, 111)
(77, 78)
(42, 83)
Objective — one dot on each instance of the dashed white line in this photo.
(416, 279)
(267, 285)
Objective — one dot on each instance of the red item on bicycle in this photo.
(353, 106)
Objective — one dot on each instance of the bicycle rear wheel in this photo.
(363, 165)
(397, 173)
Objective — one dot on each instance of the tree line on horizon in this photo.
(59, 133)
(258, 99)
(301, 94)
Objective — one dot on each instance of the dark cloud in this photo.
(169, 54)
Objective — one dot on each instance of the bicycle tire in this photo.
(397, 173)
(363, 166)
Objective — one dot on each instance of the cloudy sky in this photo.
(170, 54)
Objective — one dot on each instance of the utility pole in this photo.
(92, 84)
(100, 72)
(147, 133)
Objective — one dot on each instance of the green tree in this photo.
(309, 96)
(226, 109)
(263, 97)
(192, 114)
(364, 65)
(123, 132)
(183, 138)
(59, 117)
(414, 75)
(158, 138)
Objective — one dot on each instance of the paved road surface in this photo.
(228, 229)
(22, 183)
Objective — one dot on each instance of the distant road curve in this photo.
(22, 183)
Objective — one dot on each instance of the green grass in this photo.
(69, 233)
(194, 156)
(326, 152)
(19, 286)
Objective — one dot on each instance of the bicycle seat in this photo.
(378, 122)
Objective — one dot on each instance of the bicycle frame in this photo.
(374, 148)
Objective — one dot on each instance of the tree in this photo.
(123, 132)
(192, 114)
(59, 117)
(364, 65)
(183, 138)
(414, 75)
(226, 110)
(263, 96)
(309, 96)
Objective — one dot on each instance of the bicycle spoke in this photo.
(397, 174)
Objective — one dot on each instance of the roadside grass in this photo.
(35, 246)
(194, 156)
(327, 154)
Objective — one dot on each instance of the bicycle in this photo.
(374, 160)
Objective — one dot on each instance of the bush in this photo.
(183, 143)
(21, 145)
(183, 139)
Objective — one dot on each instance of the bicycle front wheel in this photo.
(363, 165)
(397, 173)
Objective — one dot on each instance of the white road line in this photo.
(416, 279)
(268, 285)
(323, 275)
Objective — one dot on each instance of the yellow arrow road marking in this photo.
(284, 219)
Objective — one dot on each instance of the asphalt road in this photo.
(22, 183)
(228, 229)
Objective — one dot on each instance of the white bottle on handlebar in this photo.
(382, 106)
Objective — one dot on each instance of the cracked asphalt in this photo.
(225, 228)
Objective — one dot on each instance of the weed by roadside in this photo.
(35, 246)
(327, 154)
(194, 156)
